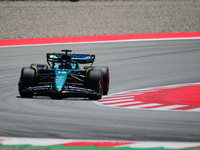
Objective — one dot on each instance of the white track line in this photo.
(195, 109)
(122, 104)
(112, 101)
(145, 105)
(116, 98)
(169, 107)
(173, 145)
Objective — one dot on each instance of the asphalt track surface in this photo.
(133, 65)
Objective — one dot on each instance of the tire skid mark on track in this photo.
(183, 97)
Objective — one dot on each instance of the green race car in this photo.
(64, 77)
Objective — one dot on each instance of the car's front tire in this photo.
(27, 79)
(95, 83)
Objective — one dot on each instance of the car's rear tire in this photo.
(95, 83)
(27, 79)
(106, 78)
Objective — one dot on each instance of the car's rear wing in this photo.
(80, 58)
(83, 58)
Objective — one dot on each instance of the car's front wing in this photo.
(67, 90)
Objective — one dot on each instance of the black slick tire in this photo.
(95, 83)
(106, 78)
(27, 79)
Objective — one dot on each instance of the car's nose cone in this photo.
(58, 90)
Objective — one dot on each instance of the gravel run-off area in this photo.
(36, 19)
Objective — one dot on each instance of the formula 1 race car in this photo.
(63, 77)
